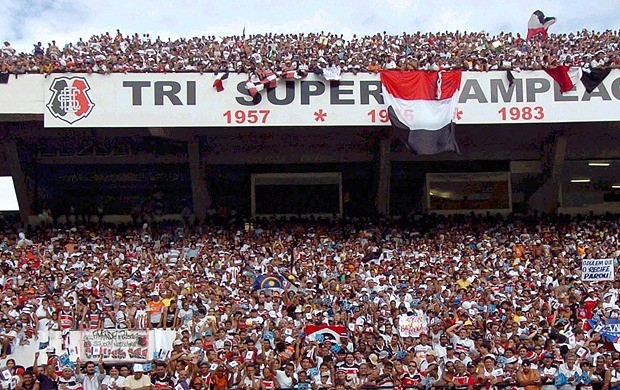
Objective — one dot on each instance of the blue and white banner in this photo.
(611, 331)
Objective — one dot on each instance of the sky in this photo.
(25, 22)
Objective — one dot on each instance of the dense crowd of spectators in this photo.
(295, 55)
(502, 297)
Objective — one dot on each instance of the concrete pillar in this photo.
(201, 200)
(547, 197)
(385, 174)
(19, 180)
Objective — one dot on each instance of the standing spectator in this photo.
(122, 318)
(92, 318)
(156, 310)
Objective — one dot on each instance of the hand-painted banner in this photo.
(115, 345)
(412, 326)
(190, 100)
(595, 270)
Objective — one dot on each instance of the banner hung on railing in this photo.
(190, 100)
(118, 345)
(115, 345)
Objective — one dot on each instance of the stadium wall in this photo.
(189, 99)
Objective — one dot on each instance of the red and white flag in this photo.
(421, 106)
(539, 24)
(566, 77)
(253, 87)
(218, 82)
(269, 79)
(325, 332)
(289, 74)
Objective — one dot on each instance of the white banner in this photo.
(120, 345)
(597, 270)
(190, 100)
(411, 326)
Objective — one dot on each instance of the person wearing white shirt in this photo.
(598, 61)
(570, 370)
(286, 378)
(491, 374)
(122, 319)
(440, 347)
(112, 381)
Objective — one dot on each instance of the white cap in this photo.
(138, 368)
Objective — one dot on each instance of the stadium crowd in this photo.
(501, 301)
(294, 55)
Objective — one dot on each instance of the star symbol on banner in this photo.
(459, 113)
(320, 115)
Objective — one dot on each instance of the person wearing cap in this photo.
(122, 318)
(528, 377)
(114, 380)
(67, 380)
(137, 381)
(599, 60)
(548, 371)
(451, 355)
